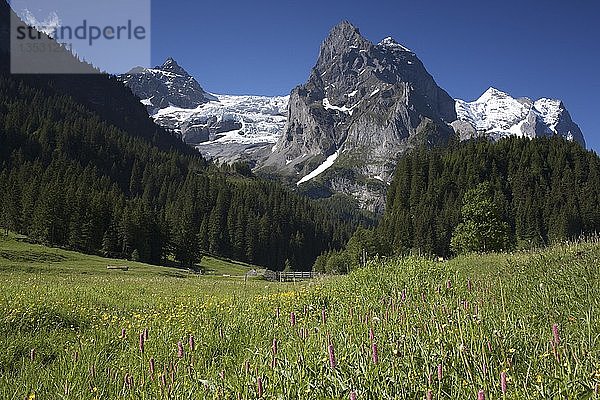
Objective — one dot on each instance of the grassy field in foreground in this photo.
(518, 326)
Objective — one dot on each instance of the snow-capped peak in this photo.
(492, 93)
(392, 43)
(497, 114)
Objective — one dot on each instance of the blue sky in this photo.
(526, 48)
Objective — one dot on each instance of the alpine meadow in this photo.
(362, 235)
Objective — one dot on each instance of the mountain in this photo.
(496, 114)
(223, 127)
(168, 85)
(362, 106)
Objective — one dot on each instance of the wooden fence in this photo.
(277, 276)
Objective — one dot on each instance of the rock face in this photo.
(496, 114)
(363, 105)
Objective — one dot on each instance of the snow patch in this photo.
(347, 110)
(320, 169)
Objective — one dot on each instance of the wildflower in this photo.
(274, 347)
(123, 333)
(141, 342)
(192, 343)
(179, 349)
(371, 334)
(375, 354)
(404, 295)
(503, 382)
(152, 366)
(555, 334)
(292, 318)
(331, 352)
(323, 316)
(259, 385)
(481, 395)
(32, 355)
(353, 395)
(429, 394)
(448, 284)
(440, 372)
(469, 285)
(146, 334)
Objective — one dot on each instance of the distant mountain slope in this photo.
(224, 127)
(496, 114)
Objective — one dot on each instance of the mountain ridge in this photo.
(496, 114)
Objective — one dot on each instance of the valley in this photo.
(450, 247)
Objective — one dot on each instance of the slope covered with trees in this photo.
(546, 190)
(68, 177)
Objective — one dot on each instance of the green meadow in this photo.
(524, 325)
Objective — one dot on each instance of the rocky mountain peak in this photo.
(492, 93)
(341, 38)
(361, 107)
(496, 114)
(170, 65)
(165, 86)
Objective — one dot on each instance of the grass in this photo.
(476, 316)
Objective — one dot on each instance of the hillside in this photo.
(408, 326)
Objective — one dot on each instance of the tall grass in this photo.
(399, 329)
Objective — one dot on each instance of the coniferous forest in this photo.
(545, 189)
(92, 173)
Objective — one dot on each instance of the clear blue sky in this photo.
(547, 48)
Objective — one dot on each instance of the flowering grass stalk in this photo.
(331, 352)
